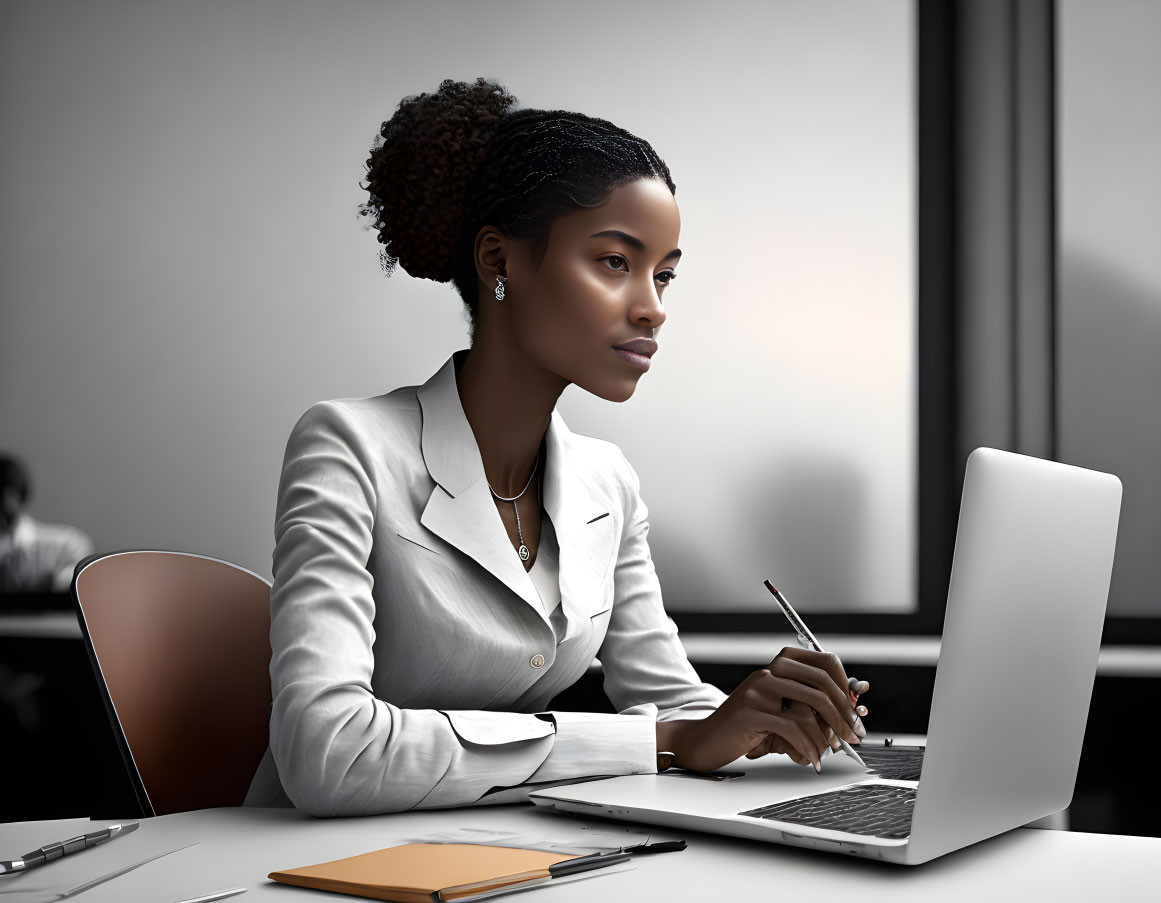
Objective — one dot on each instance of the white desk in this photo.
(240, 847)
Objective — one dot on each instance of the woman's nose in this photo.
(651, 311)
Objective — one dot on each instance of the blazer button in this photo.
(537, 661)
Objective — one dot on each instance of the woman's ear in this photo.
(491, 256)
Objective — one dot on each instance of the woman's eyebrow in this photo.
(633, 242)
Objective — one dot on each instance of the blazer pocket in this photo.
(600, 543)
(600, 620)
(492, 728)
(419, 543)
(604, 607)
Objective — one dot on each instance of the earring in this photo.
(499, 289)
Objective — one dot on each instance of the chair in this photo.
(180, 646)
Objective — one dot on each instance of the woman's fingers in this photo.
(764, 748)
(775, 694)
(805, 716)
(791, 731)
(858, 688)
(781, 746)
(776, 745)
(859, 728)
(821, 680)
(818, 700)
(824, 661)
(800, 709)
(832, 739)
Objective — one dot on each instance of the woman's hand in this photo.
(775, 744)
(791, 706)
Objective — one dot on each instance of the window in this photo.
(777, 434)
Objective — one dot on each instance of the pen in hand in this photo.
(807, 640)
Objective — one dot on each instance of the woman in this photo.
(449, 557)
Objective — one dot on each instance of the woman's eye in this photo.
(667, 273)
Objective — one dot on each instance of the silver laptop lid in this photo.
(1025, 609)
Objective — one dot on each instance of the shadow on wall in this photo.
(812, 508)
(1109, 382)
(805, 515)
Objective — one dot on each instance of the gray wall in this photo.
(1109, 326)
(184, 273)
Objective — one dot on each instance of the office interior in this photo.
(911, 229)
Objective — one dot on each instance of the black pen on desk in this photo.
(584, 863)
(612, 857)
(63, 847)
(807, 640)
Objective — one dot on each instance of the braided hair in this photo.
(448, 163)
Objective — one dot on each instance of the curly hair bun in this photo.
(419, 170)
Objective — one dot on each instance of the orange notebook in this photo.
(423, 872)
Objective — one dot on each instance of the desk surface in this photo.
(239, 847)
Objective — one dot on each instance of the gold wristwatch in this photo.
(665, 760)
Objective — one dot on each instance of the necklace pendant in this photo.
(524, 553)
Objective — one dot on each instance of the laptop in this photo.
(1025, 610)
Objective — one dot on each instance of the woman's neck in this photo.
(508, 401)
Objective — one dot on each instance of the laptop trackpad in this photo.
(766, 780)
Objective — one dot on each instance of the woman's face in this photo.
(594, 291)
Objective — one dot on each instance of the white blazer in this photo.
(411, 656)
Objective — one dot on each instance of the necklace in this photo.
(523, 550)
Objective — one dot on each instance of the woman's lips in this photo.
(640, 361)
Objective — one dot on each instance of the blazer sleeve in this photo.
(340, 750)
(645, 665)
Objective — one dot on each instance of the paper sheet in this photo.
(564, 839)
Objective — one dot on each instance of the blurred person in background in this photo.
(34, 556)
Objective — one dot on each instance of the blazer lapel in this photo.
(584, 530)
(461, 509)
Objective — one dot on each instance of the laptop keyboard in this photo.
(880, 810)
(893, 763)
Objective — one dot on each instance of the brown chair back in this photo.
(180, 645)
